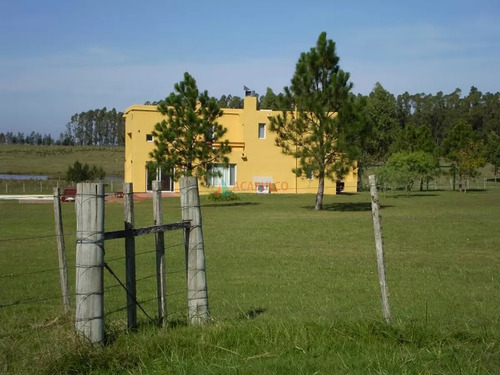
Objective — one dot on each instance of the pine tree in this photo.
(190, 138)
(323, 131)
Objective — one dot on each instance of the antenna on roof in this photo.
(248, 92)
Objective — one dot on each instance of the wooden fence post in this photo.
(61, 249)
(89, 206)
(160, 254)
(198, 311)
(377, 227)
(130, 279)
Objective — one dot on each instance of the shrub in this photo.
(403, 168)
(79, 172)
(225, 196)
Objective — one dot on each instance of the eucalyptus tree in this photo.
(381, 112)
(96, 127)
(464, 148)
(270, 100)
(493, 152)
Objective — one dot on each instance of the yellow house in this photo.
(256, 164)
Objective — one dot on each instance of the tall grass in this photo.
(291, 290)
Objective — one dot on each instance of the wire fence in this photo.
(31, 307)
(46, 186)
(30, 293)
(146, 280)
(443, 180)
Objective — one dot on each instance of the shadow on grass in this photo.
(253, 313)
(347, 207)
(179, 322)
(230, 204)
(404, 195)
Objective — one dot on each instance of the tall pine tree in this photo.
(323, 131)
(190, 138)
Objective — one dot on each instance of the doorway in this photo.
(162, 174)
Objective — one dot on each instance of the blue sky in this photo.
(58, 58)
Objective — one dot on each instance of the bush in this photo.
(79, 172)
(225, 196)
(404, 168)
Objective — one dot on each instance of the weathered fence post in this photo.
(89, 206)
(128, 207)
(61, 249)
(160, 254)
(198, 311)
(377, 227)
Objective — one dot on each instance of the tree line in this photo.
(406, 122)
(396, 122)
(34, 138)
(98, 127)
(408, 130)
(461, 130)
(95, 127)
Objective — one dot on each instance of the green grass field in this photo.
(291, 290)
(53, 161)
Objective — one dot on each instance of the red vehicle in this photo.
(68, 195)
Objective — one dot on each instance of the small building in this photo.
(256, 164)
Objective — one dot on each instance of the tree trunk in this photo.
(360, 177)
(319, 195)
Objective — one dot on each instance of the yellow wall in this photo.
(257, 160)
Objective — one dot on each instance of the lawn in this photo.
(291, 290)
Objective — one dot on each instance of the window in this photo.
(211, 134)
(262, 131)
(164, 175)
(219, 175)
(149, 138)
(309, 172)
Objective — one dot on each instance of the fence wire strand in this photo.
(28, 301)
(77, 239)
(30, 273)
(40, 326)
(127, 291)
(34, 237)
